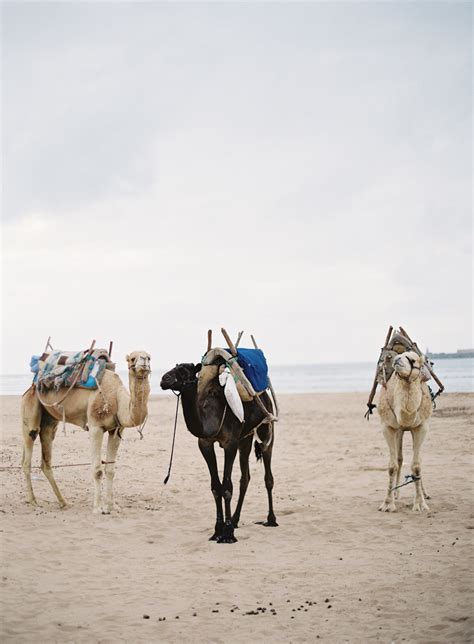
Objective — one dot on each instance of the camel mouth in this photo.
(142, 371)
(167, 383)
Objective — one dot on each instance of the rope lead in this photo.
(174, 437)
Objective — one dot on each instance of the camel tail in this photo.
(258, 450)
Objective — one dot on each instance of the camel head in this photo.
(408, 365)
(180, 377)
(139, 363)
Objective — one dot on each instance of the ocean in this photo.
(457, 374)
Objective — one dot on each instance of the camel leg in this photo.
(48, 431)
(207, 450)
(425, 493)
(244, 453)
(113, 443)
(418, 435)
(26, 465)
(267, 462)
(31, 425)
(96, 436)
(400, 433)
(230, 452)
(391, 437)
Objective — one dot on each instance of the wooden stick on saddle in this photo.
(427, 364)
(230, 344)
(209, 340)
(48, 344)
(111, 344)
(370, 405)
(238, 338)
(270, 386)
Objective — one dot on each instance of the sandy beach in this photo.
(335, 569)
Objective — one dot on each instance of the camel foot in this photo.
(388, 507)
(33, 502)
(63, 504)
(218, 531)
(224, 539)
(420, 506)
(101, 510)
(227, 535)
(269, 523)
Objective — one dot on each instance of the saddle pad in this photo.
(255, 367)
(63, 368)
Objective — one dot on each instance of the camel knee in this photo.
(227, 489)
(45, 466)
(244, 480)
(33, 434)
(416, 469)
(97, 473)
(392, 469)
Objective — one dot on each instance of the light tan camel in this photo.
(107, 409)
(405, 405)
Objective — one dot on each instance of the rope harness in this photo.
(409, 478)
(4, 468)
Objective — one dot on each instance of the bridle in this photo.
(412, 368)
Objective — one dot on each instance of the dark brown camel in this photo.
(210, 419)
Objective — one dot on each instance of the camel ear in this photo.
(422, 360)
(127, 358)
(197, 368)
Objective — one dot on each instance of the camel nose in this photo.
(165, 382)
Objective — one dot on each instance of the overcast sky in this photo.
(298, 170)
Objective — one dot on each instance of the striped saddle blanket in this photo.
(66, 368)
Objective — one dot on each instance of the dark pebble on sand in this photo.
(329, 606)
(146, 616)
(326, 601)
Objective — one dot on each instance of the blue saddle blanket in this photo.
(255, 367)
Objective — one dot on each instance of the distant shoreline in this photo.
(450, 356)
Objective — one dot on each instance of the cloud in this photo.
(301, 171)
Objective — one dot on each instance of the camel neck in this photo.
(139, 393)
(191, 416)
(407, 399)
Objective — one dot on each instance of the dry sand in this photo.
(335, 569)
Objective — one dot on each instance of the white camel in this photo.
(405, 405)
(108, 409)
